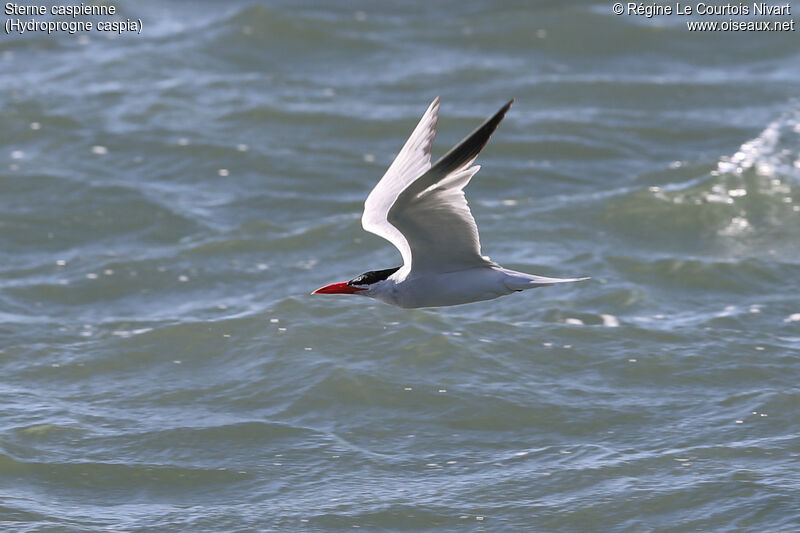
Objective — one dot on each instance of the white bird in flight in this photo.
(421, 209)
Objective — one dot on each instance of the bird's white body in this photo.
(454, 288)
(421, 209)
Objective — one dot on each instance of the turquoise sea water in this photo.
(169, 199)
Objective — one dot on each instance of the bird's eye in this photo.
(373, 276)
(357, 281)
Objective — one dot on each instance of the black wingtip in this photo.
(468, 149)
(495, 120)
(460, 156)
(490, 125)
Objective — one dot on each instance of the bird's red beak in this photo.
(338, 288)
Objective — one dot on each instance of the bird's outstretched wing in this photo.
(413, 160)
(421, 209)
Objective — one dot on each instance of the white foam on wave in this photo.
(610, 321)
(772, 153)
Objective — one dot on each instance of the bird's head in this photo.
(358, 285)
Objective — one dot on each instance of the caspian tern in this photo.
(421, 209)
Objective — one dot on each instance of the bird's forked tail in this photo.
(520, 281)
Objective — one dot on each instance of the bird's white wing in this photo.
(413, 160)
(431, 211)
